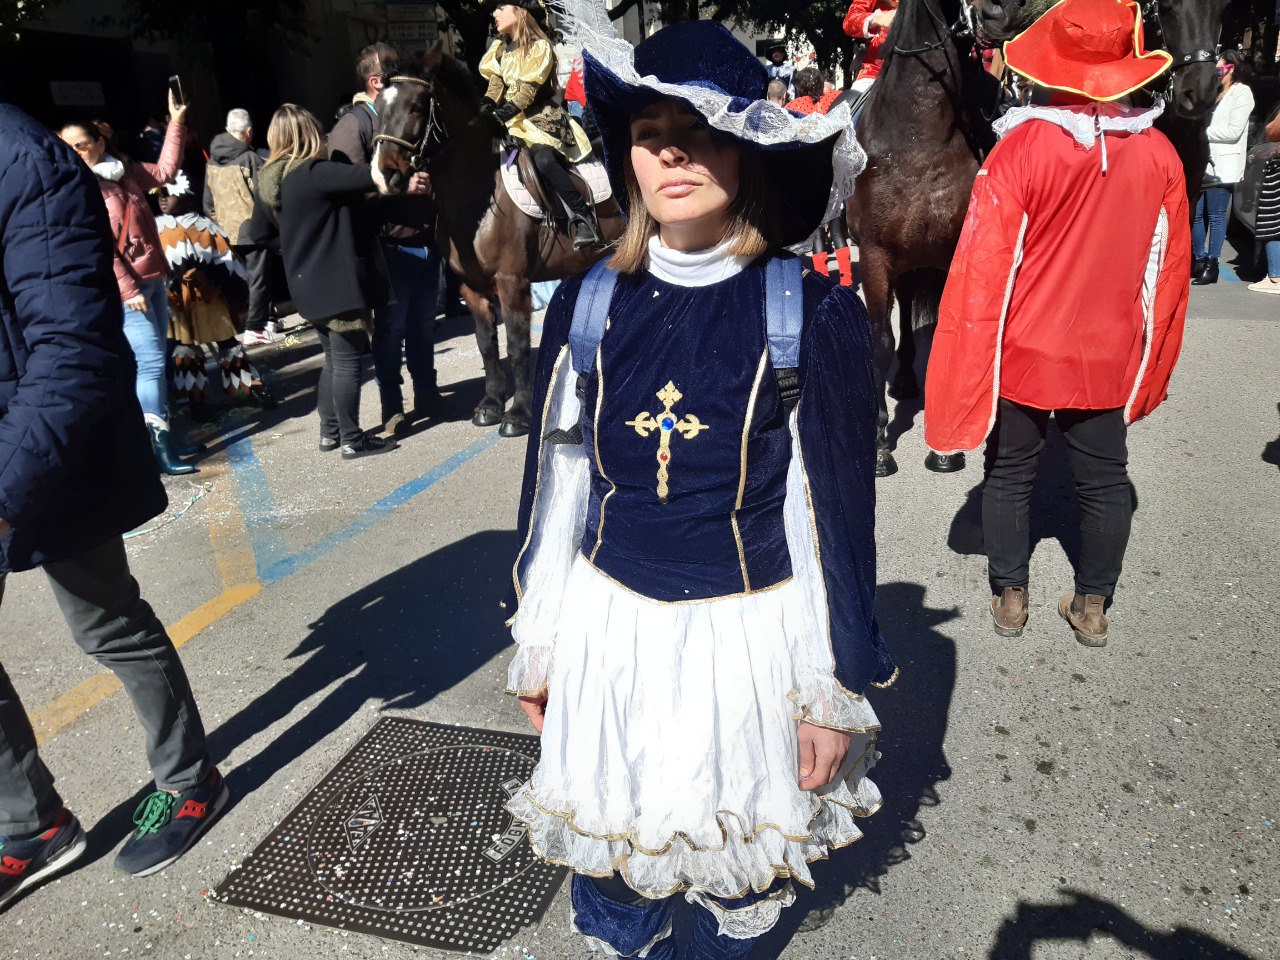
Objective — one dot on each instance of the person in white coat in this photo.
(1228, 135)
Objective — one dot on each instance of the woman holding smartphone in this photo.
(140, 265)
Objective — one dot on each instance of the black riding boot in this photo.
(554, 174)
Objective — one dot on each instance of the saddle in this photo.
(524, 185)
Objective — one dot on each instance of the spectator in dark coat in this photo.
(69, 419)
(329, 239)
(404, 334)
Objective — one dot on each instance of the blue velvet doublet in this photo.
(689, 447)
(678, 392)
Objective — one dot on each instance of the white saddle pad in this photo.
(591, 171)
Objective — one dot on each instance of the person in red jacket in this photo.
(869, 19)
(1067, 296)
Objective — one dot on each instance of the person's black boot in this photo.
(1208, 275)
(1198, 266)
(160, 446)
(436, 407)
(585, 234)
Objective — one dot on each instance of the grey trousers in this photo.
(113, 624)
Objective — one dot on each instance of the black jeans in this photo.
(1096, 441)
(255, 268)
(113, 624)
(339, 391)
(552, 167)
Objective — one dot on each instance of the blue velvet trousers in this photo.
(610, 911)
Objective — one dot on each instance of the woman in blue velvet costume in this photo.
(696, 581)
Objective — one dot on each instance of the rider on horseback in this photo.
(523, 100)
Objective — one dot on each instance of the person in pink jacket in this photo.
(140, 265)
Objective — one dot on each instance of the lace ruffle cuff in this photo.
(821, 700)
(529, 670)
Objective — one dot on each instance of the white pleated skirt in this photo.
(670, 752)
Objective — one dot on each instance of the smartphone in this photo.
(175, 88)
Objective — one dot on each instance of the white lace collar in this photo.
(1085, 123)
(700, 268)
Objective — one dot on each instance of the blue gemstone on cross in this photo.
(668, 423)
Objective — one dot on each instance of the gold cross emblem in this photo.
(667, 423)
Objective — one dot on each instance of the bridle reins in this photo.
(960, 30)
(418, 151)
(1151, 14)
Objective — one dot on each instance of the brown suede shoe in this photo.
(1009, 611)
(1083, 613)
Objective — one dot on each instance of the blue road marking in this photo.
(274, 560)
(256, 504)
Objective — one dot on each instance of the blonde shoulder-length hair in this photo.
(752, 218)
(294, 137)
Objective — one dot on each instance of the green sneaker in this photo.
(169, 824)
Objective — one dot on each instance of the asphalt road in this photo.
(1043, 800)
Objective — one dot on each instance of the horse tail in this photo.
(927, 294)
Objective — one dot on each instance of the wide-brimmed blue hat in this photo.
(812, 160)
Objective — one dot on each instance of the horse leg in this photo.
(905, 386)
(877, 288)
(517, 305)
(489, 410)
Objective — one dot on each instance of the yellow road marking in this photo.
(239, 574)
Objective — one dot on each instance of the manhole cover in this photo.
(408, 838)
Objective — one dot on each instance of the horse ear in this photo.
(432, 59)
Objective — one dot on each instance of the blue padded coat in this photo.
(75, 461)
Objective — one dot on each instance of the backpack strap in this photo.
(590, 314)
(784, 319)
(784, 310)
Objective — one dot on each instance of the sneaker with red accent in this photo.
(169, 824)
(33, 860)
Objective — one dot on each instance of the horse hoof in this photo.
(904, 388)
(886, 466)
(944, 462)
(513, 428)
(487, 417)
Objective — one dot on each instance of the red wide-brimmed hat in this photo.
(1093, 48)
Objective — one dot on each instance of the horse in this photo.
(431, 120)
(925, 125)
(1187, 29)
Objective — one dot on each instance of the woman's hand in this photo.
(177, 111)
(138, 303)
(822, 752)
(420, 183)
(536, 709)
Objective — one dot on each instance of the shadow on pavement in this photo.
(1083, 916)
(394, 644)
(914, 715)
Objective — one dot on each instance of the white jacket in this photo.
(1229, 132)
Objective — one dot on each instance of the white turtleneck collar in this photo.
(700, 268)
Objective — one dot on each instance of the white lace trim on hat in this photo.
(1085, 123)
(698, 268)
(586, 25)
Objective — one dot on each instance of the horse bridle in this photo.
(1151, 13)
(418, 151)
(960, 30)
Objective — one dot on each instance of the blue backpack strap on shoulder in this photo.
(590, 314)
(784, 310)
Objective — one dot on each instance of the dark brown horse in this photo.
(431, 120)
(926, 127)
